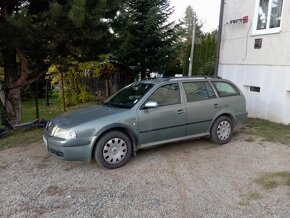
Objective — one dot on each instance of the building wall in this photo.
(267, 68)
(272, 102)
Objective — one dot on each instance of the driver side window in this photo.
(166, 95)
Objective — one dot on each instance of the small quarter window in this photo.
(225, 89)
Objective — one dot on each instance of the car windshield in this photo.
(129, 96)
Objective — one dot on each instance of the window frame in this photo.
(237, 91)
(204, 83)
(268, 30)
(165, 105)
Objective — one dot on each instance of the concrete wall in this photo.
(238, 39)
(267, 68)
(273, 100)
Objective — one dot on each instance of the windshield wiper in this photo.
(111, 104)
(117, 105)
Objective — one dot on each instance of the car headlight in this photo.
(65, 133)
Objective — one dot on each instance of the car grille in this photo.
(49, 127)
(55, 152)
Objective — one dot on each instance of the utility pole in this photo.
(192, 48)
(219, 37)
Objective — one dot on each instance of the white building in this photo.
(255, 54)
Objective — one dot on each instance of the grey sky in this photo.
(207, 11)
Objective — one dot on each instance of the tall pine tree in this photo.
(144, 36)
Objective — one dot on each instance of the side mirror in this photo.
(150, 104)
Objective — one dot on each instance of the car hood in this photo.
(84, 115)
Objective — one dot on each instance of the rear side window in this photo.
(225, 89)
(197, 91)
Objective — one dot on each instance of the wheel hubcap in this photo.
(115, 150)
(224, 130)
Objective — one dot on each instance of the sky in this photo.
(207, 11)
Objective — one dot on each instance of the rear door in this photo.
(201, 107)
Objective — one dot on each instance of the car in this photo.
(145, 114)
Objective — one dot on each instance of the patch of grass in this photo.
(268, 131)
(54, 109)
(253, 196)
(3, 166)
(21, 137)
(250, 139)
(273, 180)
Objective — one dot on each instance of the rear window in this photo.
(197, 91)
(225, 89)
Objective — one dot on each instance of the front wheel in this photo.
(113, 150)
(222, 130)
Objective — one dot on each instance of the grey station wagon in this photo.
(145, 114)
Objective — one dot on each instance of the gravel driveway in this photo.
(188, 179)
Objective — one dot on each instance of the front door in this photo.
(165, 122)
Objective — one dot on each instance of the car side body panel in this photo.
(158, 124)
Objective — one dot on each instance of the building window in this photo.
(268, 16)
(255, 89)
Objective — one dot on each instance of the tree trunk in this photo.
(107, 88)
(36, 100)
(46, 94)
(11, 99)
(62, 91)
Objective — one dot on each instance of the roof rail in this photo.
(199, 76)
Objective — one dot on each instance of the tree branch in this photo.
(24, 79)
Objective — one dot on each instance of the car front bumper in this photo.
(75, 149)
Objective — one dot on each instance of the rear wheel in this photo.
(222, 130)
(113, 150)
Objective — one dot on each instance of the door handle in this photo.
(180, 111)
(216, 105)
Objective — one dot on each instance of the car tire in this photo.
(113, 150)
(222, 130)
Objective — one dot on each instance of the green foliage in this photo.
(77, 12)
(85, 96)
(204, 56)
(35, 34)
(77, 78)
(204, 47)
(187, 24)
(145, 37)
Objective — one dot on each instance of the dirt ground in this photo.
(188, 179)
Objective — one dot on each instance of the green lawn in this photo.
(28, 108)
